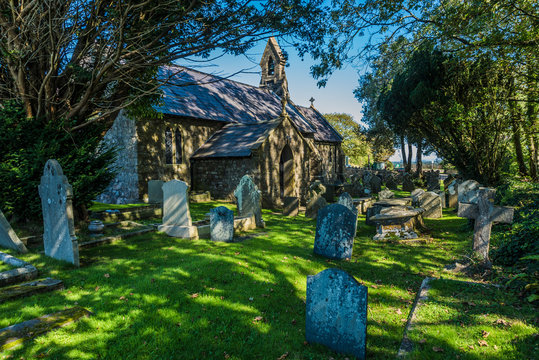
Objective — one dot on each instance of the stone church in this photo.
(215, 130)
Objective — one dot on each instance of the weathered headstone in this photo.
(391, 183)
(452, 194)
(398, 221)
(176, 216)
(155, 191)
(56, 195)
(407, 183)
(290, 206)
(468, 192)
(335, 232)
(433, 180)
(336, 312)
(221, 224)
(380, 204)
(248, 198)
(448, 180)
(415, 196)
(8, 238)
(346, 200)
(485, 213)
(431, 202)
(386, 194)
(376, 184)
(443, 197)
(316, 201)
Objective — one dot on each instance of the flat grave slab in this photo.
(30, 288)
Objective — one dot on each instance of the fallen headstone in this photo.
(176, 216)
(335, 232)
(386, 194)
(8, 238)
(398, 222)
(221, 224)
(248, 198)
(28, 289)
(336, 312)
(379, 205)
(485, 214)
(56, 194)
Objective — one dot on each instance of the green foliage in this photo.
(354, 144)
(26, 144)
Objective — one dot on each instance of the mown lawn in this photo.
(155, 297)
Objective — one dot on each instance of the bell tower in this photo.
(273, 63)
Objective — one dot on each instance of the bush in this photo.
(25, 146)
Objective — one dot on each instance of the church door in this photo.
(286, 172)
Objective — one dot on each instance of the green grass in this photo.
(97, 206)
(473, 322)
(156, 297)
(4, 266)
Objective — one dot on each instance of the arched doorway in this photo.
(286, 172)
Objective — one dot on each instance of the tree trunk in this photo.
(515, 126)
(403, 152)
(409, 165)
(531, 135)
(419, 160)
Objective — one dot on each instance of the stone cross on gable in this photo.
(485, 213)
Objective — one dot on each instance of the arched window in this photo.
(178, 146)
(271, 66)
(168, 146)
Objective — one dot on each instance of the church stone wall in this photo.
(220, 176)
(123, 189)
(332, 158)
(151, 148)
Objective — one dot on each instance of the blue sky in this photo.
(336, 96)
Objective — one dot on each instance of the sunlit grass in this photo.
(97, 206)
(156, 297)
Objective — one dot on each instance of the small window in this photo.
(168, 146)
(178, 146)
(271, 66)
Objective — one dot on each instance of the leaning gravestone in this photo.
(56, 195)
(176, 215)
(336, 312)
(468, 192)
(346, 200)
(485, 213)
(407, 183)
(248, 198)
(385, 194)
(155, 191)
(8, 238)
(335, 231)
(431, 202)
(221, 224)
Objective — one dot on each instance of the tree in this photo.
(354, 144)
(83, 60)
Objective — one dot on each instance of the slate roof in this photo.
(236, 140)
(324, 130)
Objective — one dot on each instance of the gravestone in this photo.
(316, 200)
(8, 238)
(407, 183)
(176, 215)
(155, 191)
(391, 183)
(221, 224)
(376, 184)
(398, 222)
(433, 180)
(335, 232)
(346, 200)
(386, 194)
(56, 194)
(452, 194)
(431, 202)
(290, 206)
(485, 213)
(248, 199)
(367, 176)
(336, 312)
(415, 196)
(443, 197)
(448, 180)
(380, 204)
(468, 192)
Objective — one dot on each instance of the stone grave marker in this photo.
(221, 224)
(376, 184)
(485, 213)
(248, 198)
(336, 312)
(468, 192)
(335, 232)
(407, 183)
(433, 180)
(56, 194)
(415, 196)
(290, 206)
(448, 180)
(316, 199)
(431, 202)
(386, 194)
(443, 197)
(391, 183)
(452, 194)
(375, 208)
(346, 200)
(8, 238)
(398, 221)
(155, 191)
(176, 216)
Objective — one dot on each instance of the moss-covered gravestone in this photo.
(335, 232)
(221, 224)
(56, 195)
(336, 314)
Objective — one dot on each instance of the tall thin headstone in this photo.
(335, 231)
(336, 312)
(8, 238)
(56, 195)
(248, 198)
(176, 216)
